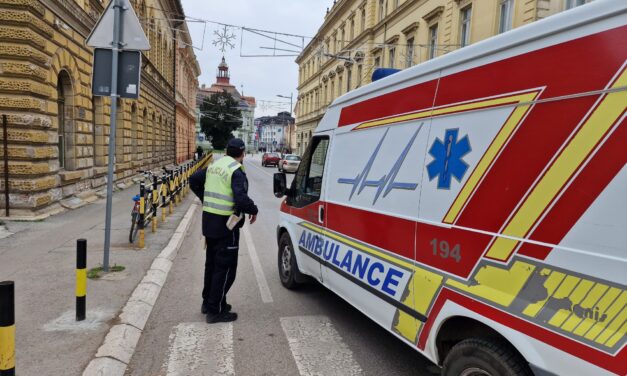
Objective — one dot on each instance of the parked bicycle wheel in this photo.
(134, 227)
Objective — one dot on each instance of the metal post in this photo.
(5, 141)
(7, 328)
(142, 214)
(155, 203)
(117, 26)
(81, 279)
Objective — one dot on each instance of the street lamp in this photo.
(290, 97)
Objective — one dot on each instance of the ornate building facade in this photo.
(58, 133)
(187, 72)
(358, 36)
(246, 104)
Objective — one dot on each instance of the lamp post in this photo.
(289, 129)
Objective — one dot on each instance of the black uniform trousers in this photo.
(220, 270)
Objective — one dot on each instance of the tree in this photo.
(219, 117)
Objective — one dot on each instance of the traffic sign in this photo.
(129, 73)
(132, 35)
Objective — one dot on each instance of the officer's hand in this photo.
(252, 218)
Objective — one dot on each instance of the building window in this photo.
(64, 117)
(339, 85)
(465, 14)
(392, 56)
(506, 13)
(359, 72)
(573, 3)
(433, 41)
(409, 59)
(381, 9)
(352, 29)
(343, 41)
(363, 19)
(349, 74)
(377, 62)
(396, 3)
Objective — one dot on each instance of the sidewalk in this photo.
(41, 257)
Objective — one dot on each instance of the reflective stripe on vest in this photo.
(218, 197)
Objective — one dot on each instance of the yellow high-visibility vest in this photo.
(218, 198)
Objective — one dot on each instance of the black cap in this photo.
(236, 143)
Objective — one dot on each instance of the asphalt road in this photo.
(279, 332)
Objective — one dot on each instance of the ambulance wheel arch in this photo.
(462, 341)
(455, 324)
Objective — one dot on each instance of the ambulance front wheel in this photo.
(484, 357)
(288, 268)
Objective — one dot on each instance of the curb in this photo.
(119, 345)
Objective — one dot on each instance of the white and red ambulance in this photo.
(475, 205)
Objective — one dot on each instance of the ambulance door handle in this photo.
(321, 214)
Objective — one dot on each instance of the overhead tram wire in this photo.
(439, 47)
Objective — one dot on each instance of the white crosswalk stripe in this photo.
(317, 347)
(200, 349)
(207, 349)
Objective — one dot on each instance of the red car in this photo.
(270, 159)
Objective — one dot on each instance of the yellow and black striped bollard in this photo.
(7, 328)
(155, 203)
(81, 279)
(164, 194)
(171, 192)
(142, 213)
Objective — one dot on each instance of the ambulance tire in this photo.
(288, 268)
(478, 356)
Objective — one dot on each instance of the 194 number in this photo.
(443, 249)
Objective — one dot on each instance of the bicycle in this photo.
(148, 207)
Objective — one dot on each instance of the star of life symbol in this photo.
(224, 39)
(448, 158)
(387, 183)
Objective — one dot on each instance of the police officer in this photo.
(223, 189)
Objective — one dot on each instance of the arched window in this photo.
(145, 133)
(153, 152)
(65, 107)
(134, 151)
(119, 134)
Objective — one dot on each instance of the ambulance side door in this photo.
(307, 205)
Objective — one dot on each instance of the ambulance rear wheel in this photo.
(484, 357)
(288, 269)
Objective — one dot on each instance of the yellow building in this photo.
(57, 131)
(358, 36)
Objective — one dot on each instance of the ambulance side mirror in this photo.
(280, 184)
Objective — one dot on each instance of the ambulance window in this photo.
(307, 185)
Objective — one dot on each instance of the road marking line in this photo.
(264, 289)
(201, 349)
(317, 347)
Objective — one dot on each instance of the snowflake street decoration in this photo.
(448, 158)
(221, 117)
(222, 101)
(224, 39)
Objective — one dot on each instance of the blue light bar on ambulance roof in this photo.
(380, 73)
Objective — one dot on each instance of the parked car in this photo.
(289, 163)
(270, 159)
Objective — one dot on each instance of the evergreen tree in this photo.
(219, 117)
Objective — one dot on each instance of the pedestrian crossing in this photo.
(315, 345)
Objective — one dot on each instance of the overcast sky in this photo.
(262, 77)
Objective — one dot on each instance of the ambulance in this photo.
(475, 205)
